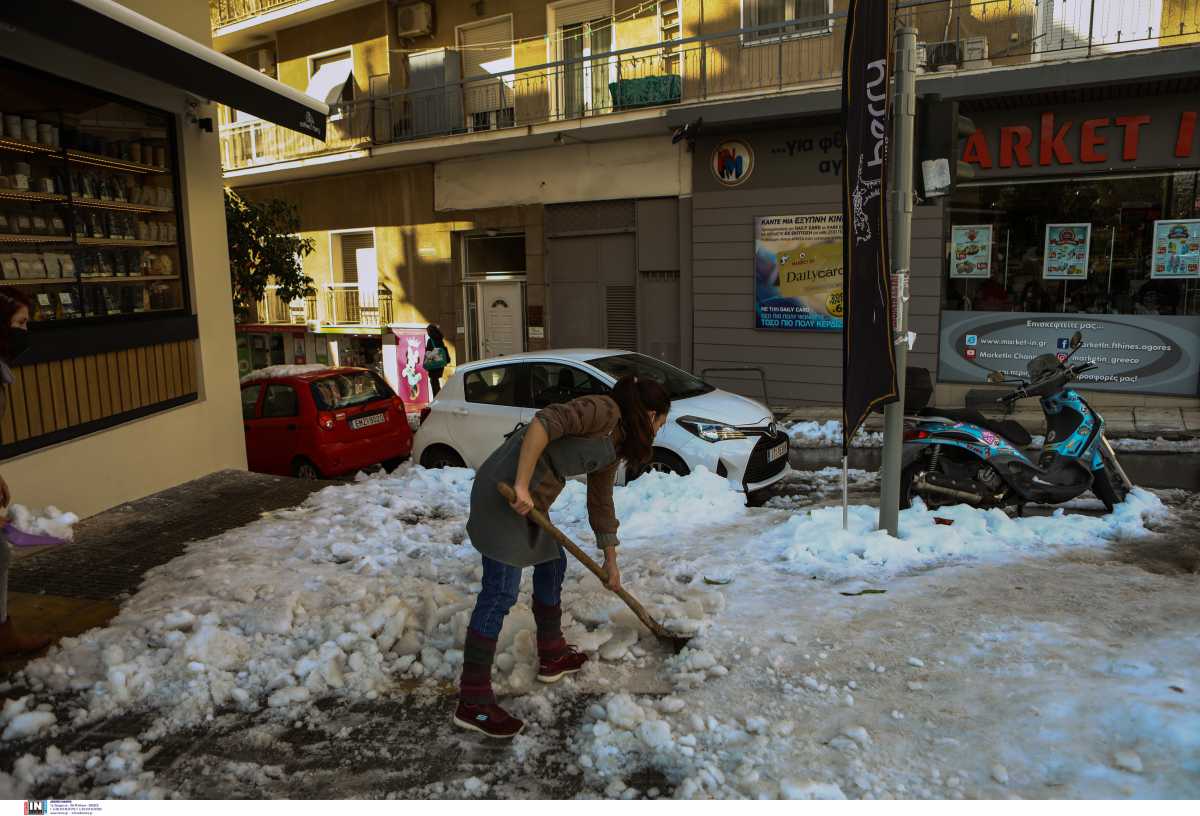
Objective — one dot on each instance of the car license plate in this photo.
(777, 452)
(358, 423)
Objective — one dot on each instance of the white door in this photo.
(501, 319)
(495, 401)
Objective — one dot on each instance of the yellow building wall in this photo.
(1180, 22)
(100, 471)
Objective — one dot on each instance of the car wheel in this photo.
(441, 456)
(304, 469)
(662, 461)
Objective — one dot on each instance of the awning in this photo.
(111, 32)
(328, 83)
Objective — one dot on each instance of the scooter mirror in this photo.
(996, 377)
(1076, 340)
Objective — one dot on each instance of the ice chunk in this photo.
(618, 646)
(288, 696)
(28, 724)
(623, 712)
(1128, 761)
(656, 734)
(792, 789)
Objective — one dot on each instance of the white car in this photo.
(730, 435)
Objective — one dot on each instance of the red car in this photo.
(322, 423)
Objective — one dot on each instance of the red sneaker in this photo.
(551, 670)
(490, 720)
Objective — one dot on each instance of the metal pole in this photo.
(900, 155)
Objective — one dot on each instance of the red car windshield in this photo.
(349, 388)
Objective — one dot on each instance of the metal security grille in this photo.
(351, 243)
(621, 317)
(590, 217)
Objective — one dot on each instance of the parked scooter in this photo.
(957, 456)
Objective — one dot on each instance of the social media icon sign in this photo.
(972, 340)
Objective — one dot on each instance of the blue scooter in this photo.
(959, 456)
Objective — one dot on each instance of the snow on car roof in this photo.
(276, 371)
(574, 354)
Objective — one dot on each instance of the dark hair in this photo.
(12, 300)
(435, 333)
(636, 397)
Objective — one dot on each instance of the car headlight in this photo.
(708, 430)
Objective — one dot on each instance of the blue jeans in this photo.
(501, 584)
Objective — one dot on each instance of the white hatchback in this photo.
(730, 435)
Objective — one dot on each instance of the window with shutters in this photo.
(351, 243)
(487, 61)
(621, 317)
(804, 18)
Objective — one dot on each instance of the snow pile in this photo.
(816, 434)
(114, 771)
(270, 372)
(815, 543)
(50, 522)
(1158, 444)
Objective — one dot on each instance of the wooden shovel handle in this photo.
(570, 546)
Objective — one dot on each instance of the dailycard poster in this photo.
(798, 272)
(971, 246)
(1176, 249)
(1065, 255)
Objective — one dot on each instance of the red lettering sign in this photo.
(1053, 142)
(1132, 125)
(976, 151)
(1089, 140)
(1015, 140)
(1187, 135)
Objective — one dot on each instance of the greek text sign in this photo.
(798, 272)
(1144, 354)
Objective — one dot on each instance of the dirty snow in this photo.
(48, 522)
(817, 434)
(271, 372)
(370, 583)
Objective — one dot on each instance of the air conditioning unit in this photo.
(414, 20)
(975, 52)
(944, 56)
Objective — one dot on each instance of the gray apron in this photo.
(499, 532)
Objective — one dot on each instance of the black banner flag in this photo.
(868, 356)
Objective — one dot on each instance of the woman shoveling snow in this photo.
(589, 435)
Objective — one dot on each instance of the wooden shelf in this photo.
(131, 279)
(30, 196)
(34, 239)
(109, 163)
(22, 146)
(124, 206)
(39, 281)
(121, 242)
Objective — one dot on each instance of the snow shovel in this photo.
(675, 642)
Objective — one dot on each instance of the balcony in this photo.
(274, 310)
(955, 35)
(346, 304)
(228, 12)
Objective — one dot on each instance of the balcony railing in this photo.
(346, 304)
(227, 12)
(794, 54)
(274, 310)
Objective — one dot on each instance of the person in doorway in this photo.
(589, 435)
(14, 340)
(437, 357)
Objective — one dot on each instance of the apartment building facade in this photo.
(597, 173)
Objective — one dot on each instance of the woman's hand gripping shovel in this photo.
(675, 642)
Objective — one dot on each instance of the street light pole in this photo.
(904, 106)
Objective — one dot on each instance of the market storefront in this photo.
(1082, 217)
(111, 227)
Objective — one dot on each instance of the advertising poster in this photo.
(1176, 249)
(1140, 354)
(798, 272)
(971, 251)
(413, 379)
(1065, 255)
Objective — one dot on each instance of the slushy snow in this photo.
(48, 522)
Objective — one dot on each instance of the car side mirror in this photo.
(995, 377)
(1076, 340)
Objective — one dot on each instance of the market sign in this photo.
(1126, 134)
(798, 272)
(1176, 249)
(1144, 354)
(732, 162)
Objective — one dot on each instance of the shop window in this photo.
(280, 401)
(493, 386)
(89, 206)
(551, 383)
(250, 400)
(1127, 246)
(810, 16)
(277, 352)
